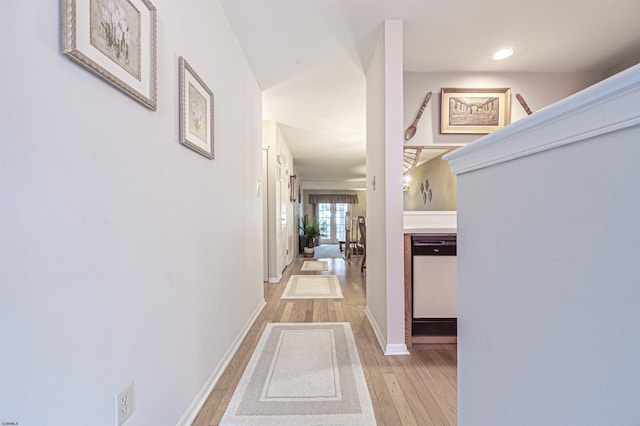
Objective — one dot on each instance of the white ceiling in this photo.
(310, 56)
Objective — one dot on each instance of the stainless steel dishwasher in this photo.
(434, 285)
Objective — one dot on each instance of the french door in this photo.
(331, 217)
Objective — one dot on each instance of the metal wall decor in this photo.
(426, 192)
(474, 111)
(524, 104)
(411, 130)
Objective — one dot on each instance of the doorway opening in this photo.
(331, 217)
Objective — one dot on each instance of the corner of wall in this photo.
(382, 341)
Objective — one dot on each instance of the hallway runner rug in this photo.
(315, 265)
(302, 374)
(312, 287)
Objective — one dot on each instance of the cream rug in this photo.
(327, 251)
(315, 265)
(302, 374)
(312, 287)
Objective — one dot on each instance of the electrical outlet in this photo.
(125, 403)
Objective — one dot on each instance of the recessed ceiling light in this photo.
(502, 54)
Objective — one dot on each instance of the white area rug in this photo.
(327, 251)
(312, 287)
(302, 374)
(315, 265)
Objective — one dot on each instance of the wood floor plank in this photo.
(437, 388)
(331, 310)
(320, 310)
(339, 311)
(434, 414)
(382, 402)
(399, 401)
(445, 382)
(417, 389)
(286, 313)
(413, 399)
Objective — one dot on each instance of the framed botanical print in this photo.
(116, 40)
(474, 111)
(196, 112)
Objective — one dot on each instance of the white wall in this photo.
(376, 231)
(538, 90)
(548, 265)
(123, 255)
(385, 286)
(349, 185)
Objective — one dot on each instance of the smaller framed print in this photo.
(474, 111)
(116, 40)
(292, 188)
(196, 112)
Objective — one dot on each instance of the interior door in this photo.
(265, 214)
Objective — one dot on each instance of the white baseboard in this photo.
(388, 349)
(275, 280)
(192, 412)
(382, 341)
(399, 349)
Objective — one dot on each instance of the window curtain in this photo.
(333, 198)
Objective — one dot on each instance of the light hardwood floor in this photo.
(417, 389)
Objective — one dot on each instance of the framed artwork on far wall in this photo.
(292, 188)
(474, 111)
(116, 40)
(196, 112)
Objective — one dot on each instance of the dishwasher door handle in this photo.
(435, 250)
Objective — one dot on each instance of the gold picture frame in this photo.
(474, 111)
(196, 112)
(116, 40)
